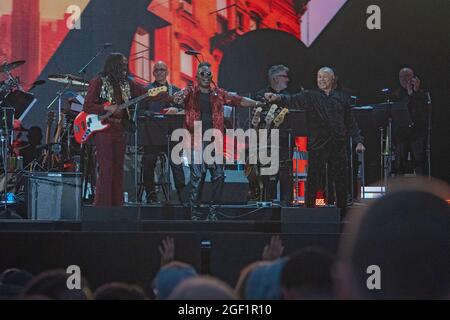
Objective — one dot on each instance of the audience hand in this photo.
(167, 250)
(273, 250)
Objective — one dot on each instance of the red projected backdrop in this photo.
(32, 30)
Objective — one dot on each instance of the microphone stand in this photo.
(84, 69)
(4, 137)
(136, 178)
(387, 152)
(428, 148)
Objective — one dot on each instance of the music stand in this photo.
(392, 116)
(295, 125)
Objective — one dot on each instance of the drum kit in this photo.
(60, 152)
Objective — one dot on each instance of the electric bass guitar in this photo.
(274, 117)
(85, 125)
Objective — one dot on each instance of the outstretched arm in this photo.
(249, 103)
(298, 101)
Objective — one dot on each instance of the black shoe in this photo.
(212, 215)
(151, 198)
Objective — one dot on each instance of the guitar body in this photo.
(85, 125)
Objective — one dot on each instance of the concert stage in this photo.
(115, 245)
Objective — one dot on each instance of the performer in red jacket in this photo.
(204, 102)
(113, 86)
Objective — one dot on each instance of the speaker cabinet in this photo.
(54, 196)
(315, 220)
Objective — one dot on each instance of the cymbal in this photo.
(68, 79)
(10, 66)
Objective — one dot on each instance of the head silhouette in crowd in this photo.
(53, 284)
(119, 291)
(202, 288)
(170, 276)
(13, 283)
(307, 275)
(398, 247)
(263, 282)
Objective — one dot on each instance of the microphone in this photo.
(192, 52)
(385, 90)
(107, 45)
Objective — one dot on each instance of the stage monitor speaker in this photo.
(54, 196)
(121, 219)
(235, 188)
(314, 220)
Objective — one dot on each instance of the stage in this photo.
(122, 244)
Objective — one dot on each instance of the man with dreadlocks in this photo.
(113, 86)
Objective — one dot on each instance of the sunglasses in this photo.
(160, 70)
(205, 74)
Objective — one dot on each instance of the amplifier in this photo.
(54, 196)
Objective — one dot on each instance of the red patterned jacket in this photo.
(219, 98)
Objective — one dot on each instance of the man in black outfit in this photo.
(157, 141)
(329, 124)
(411, 140)
(278, 83)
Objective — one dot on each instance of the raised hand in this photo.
(167, 250)
(273, 250)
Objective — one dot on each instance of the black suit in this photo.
(156, 143)
(285, 173)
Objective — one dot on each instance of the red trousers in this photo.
(110, 157)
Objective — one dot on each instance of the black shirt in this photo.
(205, 109)
(153, 132)
(418, 112)
(329, 118)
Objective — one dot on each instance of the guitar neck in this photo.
(126, 105)
(133, 101)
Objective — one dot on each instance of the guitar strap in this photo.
(107, 92)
